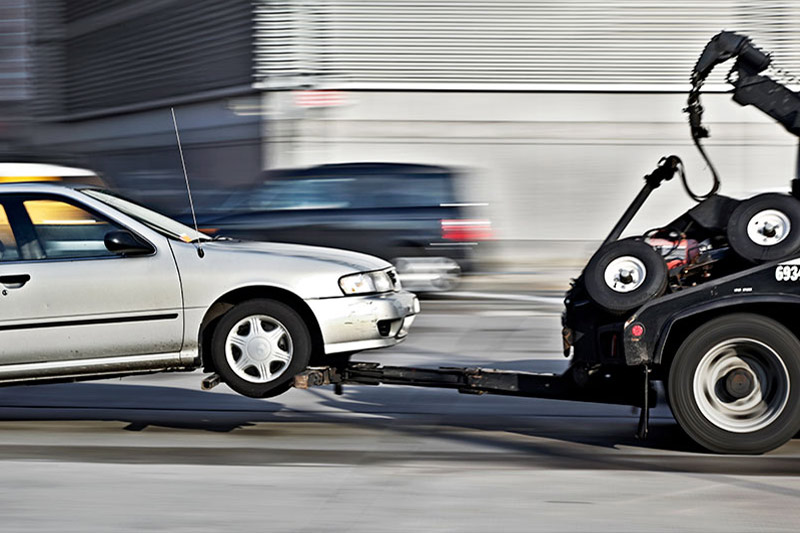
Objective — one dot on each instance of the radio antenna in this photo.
(200, 252)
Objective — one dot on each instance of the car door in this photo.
(64, 296)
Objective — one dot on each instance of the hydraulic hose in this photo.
(714, 187)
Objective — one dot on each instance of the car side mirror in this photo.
(123, 242)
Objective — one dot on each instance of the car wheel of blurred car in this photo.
(258, 347)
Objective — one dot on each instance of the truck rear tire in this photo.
(734, 384)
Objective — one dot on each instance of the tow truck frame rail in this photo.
(576, 384)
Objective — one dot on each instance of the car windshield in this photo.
(160, 223)
(294, 195)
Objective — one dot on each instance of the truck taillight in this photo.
(466, 230)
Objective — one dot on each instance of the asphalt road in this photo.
(154, 453)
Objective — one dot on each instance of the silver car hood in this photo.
(354, 261)
(307, 271)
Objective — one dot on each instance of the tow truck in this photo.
(708, 303)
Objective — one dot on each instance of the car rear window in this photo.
(406, 190)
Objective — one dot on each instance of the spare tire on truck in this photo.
(765, 227)
(625, 274)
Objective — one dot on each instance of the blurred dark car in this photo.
(405, 213)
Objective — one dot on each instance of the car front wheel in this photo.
(258, 347)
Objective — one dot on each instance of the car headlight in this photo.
(370, 282)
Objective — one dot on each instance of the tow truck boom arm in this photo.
(750, 87)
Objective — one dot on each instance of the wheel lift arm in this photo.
(598, 389)
(665, 170)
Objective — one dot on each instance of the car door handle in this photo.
(15, 281)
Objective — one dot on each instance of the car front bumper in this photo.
(355, 323)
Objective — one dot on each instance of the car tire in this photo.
(625, 274)
(259, 346)
(765, 227)
(734, 384)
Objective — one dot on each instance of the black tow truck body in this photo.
(613, 359)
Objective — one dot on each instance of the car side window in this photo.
(66, 231)
(8, 244)
(405, 191)
(299, 194)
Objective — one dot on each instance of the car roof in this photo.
(9, 169)
(358, 169)
(42, 187)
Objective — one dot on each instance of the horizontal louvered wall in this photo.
(13, 51)
(507, 44)
(118, 54)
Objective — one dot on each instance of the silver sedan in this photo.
(93, 285)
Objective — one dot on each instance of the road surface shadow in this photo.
(547, 434)
(141, 406)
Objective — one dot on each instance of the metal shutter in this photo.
(13, 51)
(75, 10)
(648, 45)
(119, 54)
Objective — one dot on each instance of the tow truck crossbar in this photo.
(479, 381)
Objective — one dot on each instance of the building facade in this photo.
(14, 74)
(557, 107)
(107, 72)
